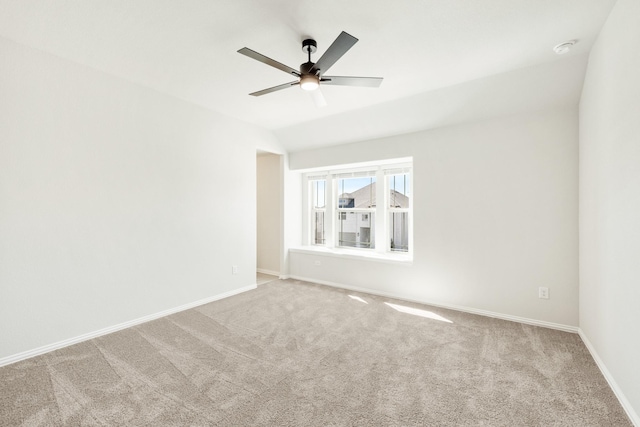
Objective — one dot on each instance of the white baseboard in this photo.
(631, 413)
(269, 272)
(65, 343)
(525, 320)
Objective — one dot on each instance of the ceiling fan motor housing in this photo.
(306, 68)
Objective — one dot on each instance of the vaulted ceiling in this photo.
(442, 61)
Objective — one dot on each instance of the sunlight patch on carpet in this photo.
(417, 312)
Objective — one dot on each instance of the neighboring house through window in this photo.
(356, 210)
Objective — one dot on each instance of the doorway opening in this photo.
(268, 216)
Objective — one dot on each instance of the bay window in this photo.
(364, 208)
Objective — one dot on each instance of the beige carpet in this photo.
(296, 354)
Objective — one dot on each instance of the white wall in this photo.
(495, 205)
(269, 190)
(610, 201)
(292, 218)
(116, 201)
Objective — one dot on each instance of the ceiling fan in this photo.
(311, 75)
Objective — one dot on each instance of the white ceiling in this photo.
(443, 61)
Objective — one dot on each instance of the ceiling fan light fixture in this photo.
(309, 82)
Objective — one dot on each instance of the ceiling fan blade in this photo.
(339, 47)
(266, 60)
(351, 81)
(275, 88)
(318, 98)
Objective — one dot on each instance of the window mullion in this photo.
(307, 210)
(329, 217)
(381, 216)
(410, 211)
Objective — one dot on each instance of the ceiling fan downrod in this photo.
(309, 80)
(309, 46)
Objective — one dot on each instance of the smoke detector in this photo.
(564, 47)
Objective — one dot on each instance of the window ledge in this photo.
(364, 255)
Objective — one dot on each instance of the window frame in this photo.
(380, 214)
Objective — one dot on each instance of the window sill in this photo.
(361, 255)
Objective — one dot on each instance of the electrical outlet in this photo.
(317, 262)
(543, 292)
(234, 269)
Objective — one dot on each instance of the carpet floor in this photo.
(292, 353)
